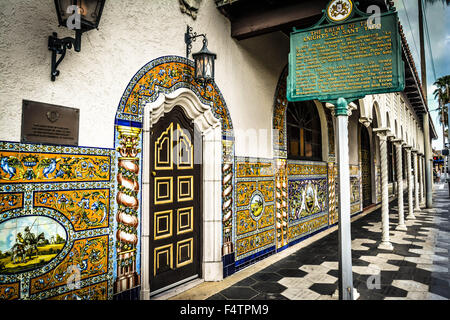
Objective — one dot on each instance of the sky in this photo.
(438, 19)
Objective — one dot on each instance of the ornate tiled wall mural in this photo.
(308, 200)
(56, 212)
(331, 144)
(227, 197)
(166, 74)
(255, 208)
(279, 116)
(162, 75)
(70, 217)
(305, 191)
(129, 146)
(355, 189)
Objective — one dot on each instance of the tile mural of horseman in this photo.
(25, 246)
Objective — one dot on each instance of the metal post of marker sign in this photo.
(340, 59)
(345, 240)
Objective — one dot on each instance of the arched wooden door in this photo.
(175, 202)
(366, 168)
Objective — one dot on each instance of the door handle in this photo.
(153, 173)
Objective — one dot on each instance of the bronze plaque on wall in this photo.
(49, 124)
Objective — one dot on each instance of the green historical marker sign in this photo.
(346, 57)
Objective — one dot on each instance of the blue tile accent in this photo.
(228, 259)
(255, 257)
(283, 247)
(307, 236)
(128, 123)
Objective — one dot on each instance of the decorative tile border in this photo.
(279, 116)
(85, 208)
(74, 188)
(308, 197)
(162, 75)
(9, 201)
(33, 167)
(10, 291)
(98, 291)
(166, 74)
(255, 207)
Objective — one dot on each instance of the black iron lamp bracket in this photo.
(59, 47)
(189, 37)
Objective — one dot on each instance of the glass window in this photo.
(303, 131)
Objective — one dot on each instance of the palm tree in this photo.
(423, 68)
(442, 95)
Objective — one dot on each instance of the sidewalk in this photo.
(417, 268)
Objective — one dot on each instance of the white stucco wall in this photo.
(131, 33)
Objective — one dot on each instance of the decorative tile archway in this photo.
(165, 75)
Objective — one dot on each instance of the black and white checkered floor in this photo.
(417, 268)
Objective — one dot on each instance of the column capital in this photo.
(414, 150)
(397, 141)
(391, 136)
(341, 107)
(420, 154)
(382, 132)
(365, 121)
(407, 147)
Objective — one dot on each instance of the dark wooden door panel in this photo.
(175, 206)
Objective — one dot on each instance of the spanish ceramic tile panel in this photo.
(98, 291)
(279, 116)
(162, 75)
(281, 203)
(255, 207)
(227, 195)
(355, 195)
(30, 167)
(9, 201)
(355, 189)
(167, 74)
(331, 144)
(308, 200)
(86, 209)
(10, 291)
(127, 229)
(55, 218)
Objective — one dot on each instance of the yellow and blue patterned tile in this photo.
(254, 227)
(54, 199)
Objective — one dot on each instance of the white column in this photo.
(416, 181)
(428, 159)
(385, 241)
(410, 183)
(422, 179)
(399, 171)
(341, 112)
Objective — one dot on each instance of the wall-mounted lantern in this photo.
(78, 15)
(203, 60)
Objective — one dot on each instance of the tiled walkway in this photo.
(417, 268)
